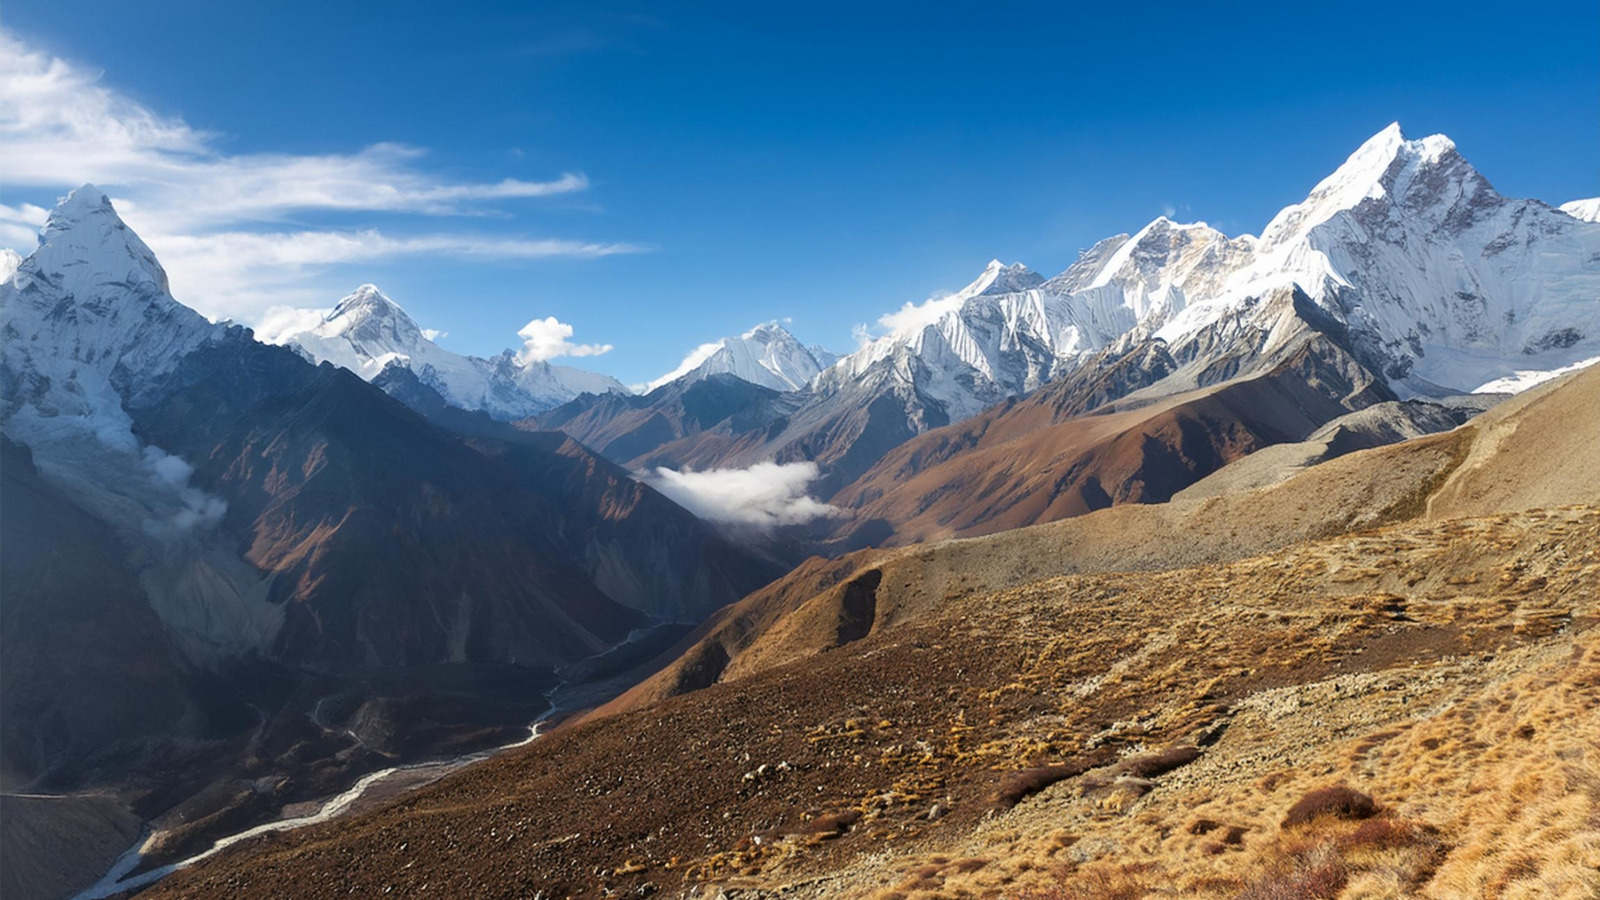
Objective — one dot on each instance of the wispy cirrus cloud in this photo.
(257, 271)
(221, 222)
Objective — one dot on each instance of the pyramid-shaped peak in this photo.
(86, 197)
(86, 203)
(85, 244)
(999, 278)
(366, 300)
(768, 331)
(1385, 166)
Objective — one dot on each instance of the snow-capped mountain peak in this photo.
(86, 246)
(88, 320)
(1386, 165)
(999, 278)
(367, 332)
(767, 355)
(364, 303)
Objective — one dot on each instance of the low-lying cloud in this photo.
(189, 508)
(765, 495)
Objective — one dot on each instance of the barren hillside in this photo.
(1001, 716)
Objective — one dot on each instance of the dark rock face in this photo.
(83, 658)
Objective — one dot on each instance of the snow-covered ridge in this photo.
(1449, 284)
(1587, 210)
(366, 332)
(767, 355)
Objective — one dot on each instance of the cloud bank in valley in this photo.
(765, 495)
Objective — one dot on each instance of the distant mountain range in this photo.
(367, 332)
(1439, 284)
(1405, 261)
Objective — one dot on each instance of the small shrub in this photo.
(1384, 834)
(1014, 786)
(833, 824)
(1321, 881)
(1149, 765)
(1339, 802)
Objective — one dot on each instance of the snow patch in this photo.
(1527, 378)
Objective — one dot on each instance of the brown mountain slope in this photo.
(677, 425)
(395, 542)
(881, 721)
(1039, 459)
(1405, 661)
(800, 614)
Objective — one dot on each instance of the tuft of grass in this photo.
(1123, 882)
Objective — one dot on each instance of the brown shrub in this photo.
(1014, 786)
(1386, 834)
(1338, 801)
(1319, 881)
(1149, 765)
(1125, 882)
(832, 824)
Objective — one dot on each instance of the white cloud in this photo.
(216, 219)
(544, 339)
(244, 271)
(19, 225)
(913, 317)
(434, 334)
(189, 507)
(690, 362)
(280, 323)
(764, 495)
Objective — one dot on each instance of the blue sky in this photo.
(737, 163)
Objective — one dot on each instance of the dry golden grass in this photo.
(1485, 765)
